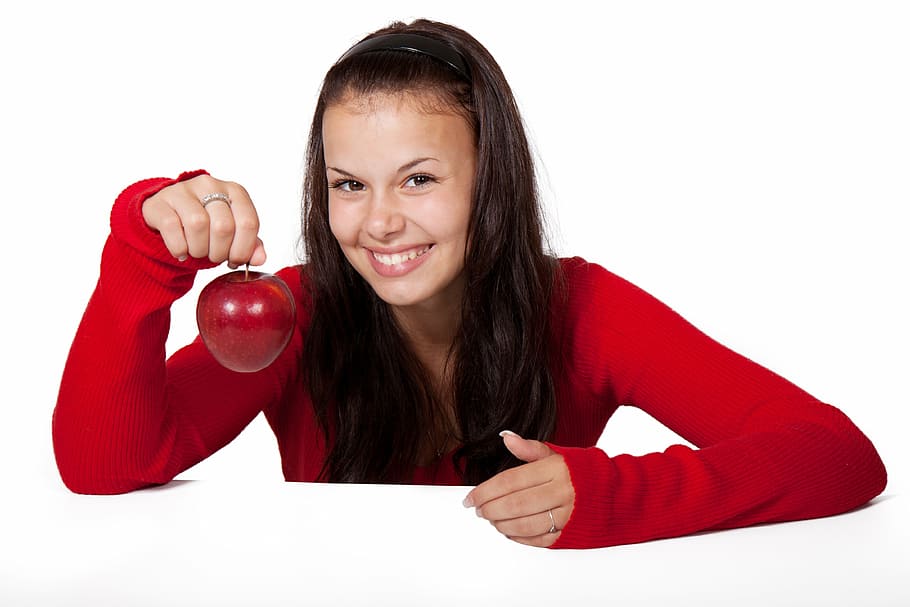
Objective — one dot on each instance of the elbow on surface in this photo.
(80, 487)
(84, 485)
(872, 469)
(831, 467)
(859, 472)
(93, 475)
(868, 462)
(88, 466)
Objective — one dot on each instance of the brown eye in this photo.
(347, 185)
(419, 180)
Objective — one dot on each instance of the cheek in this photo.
(453, 221)
(342, 224)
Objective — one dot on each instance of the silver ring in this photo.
(215, 196)
(553, 528)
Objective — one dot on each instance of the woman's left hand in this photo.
(531, 503)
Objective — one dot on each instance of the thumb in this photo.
(258, 257)
(525, 450)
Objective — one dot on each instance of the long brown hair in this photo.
(372, 396)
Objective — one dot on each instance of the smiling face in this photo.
(400, 181)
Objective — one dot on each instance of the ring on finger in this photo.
(215, 197)
(553, 528)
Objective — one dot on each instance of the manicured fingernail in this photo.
(468, 502)
(509, 432)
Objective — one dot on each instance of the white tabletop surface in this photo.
(216, 543)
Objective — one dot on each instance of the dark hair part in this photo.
(372, 397)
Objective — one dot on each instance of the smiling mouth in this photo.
(398, 258)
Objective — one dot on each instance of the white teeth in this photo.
(397, 258)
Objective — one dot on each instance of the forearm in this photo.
(810, 466)
(110, 425)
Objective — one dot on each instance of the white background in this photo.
(745, 162)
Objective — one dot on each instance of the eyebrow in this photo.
(405, 167)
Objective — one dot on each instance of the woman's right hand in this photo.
(220, 231)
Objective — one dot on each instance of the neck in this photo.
(430, 330)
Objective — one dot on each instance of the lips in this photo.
(397, 258)
(400, 262)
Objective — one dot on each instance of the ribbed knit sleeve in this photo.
(125, 418)
(765, 449)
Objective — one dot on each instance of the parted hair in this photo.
(374, 400)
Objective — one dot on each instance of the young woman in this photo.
(437, 341)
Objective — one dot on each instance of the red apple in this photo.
(246, 319)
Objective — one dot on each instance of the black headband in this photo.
(413, 43)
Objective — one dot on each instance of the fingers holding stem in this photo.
(204, 217)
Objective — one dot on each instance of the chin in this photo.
(399, 296)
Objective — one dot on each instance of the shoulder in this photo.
(294, 276)
(299, 283)
(592, 330)
(605, 329)
(578, 268)
(582, 282)
(591, 302)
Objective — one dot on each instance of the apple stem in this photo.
(246, 272)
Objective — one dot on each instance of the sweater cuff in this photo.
(590, 470)
(129, 227)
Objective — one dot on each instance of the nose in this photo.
(384, 218)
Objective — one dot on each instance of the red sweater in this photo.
(767, 451)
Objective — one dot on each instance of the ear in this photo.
(525, 450)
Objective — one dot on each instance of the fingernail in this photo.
(468, 502)
(233, 266)
(181, 258)
(509, 432)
